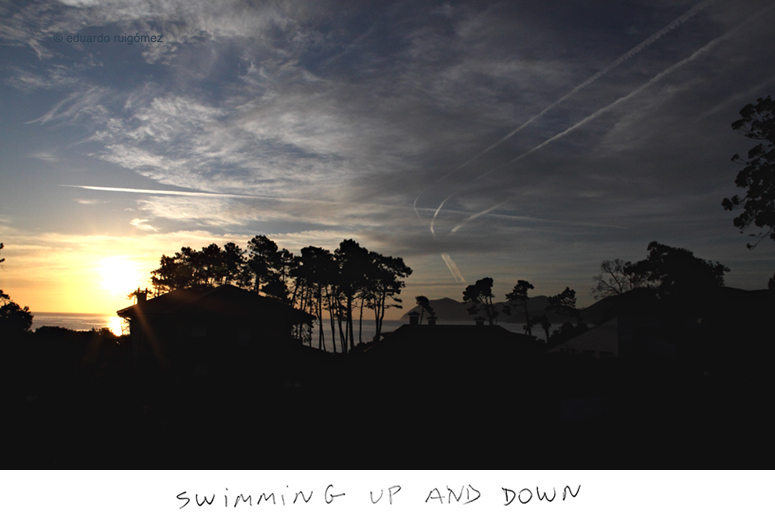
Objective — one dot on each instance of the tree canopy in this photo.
(13, 318)
(480, 296)
(564, 303)
(757, 122)
(674, 272)
(616, 277)
(518, 296)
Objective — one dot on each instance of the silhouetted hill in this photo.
(450, 310)
(446, 310)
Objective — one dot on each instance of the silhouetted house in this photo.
(418, 351)
(206, 327)
(621, 337)
(634, 324)
(721, 322)
(450, 381)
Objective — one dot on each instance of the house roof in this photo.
(226, 300)
(453, 340)
(720, 303)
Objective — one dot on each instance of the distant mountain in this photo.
(637, 302)
(450, 310)
(446, 310)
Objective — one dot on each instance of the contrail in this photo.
(206, 194)
(170, 192)
(618, 61)
(710, 45)
(477, 215)
(453, 268)
(437, 212)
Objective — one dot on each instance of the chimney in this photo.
(479, 321)
(414, 318)
(432, 320)
(141, 295)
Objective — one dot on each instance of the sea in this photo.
(117, 325)
(80, 322)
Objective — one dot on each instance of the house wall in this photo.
(600, 341)
(206, 340)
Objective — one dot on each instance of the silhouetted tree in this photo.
(758, 174)
(616, 277)
(288, 264)
(189, 268)
(235, 267)
(543, 322)
(263, 260)
(518, 295)
(354, 262)
(384, 284)
(676, 272)
(425, 306)
(3, 296)
(173, 273)
(313, 273)
(564, 303)
(14, 319)
(480, 296)
(209, 265)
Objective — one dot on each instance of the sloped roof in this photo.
(453, 339)
(226, 300)
(719, 303)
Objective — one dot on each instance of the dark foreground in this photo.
(73, 400)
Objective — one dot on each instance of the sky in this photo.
(512, 140)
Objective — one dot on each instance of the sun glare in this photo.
(116, 325)
(120, 276)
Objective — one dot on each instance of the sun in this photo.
(120, 276)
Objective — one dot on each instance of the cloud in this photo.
(142, 224)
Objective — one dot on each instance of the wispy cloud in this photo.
(44, 156)
(142, 224)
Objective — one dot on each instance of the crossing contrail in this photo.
(699, 52)
(475, 216)
(437, 212)
(618, 61)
